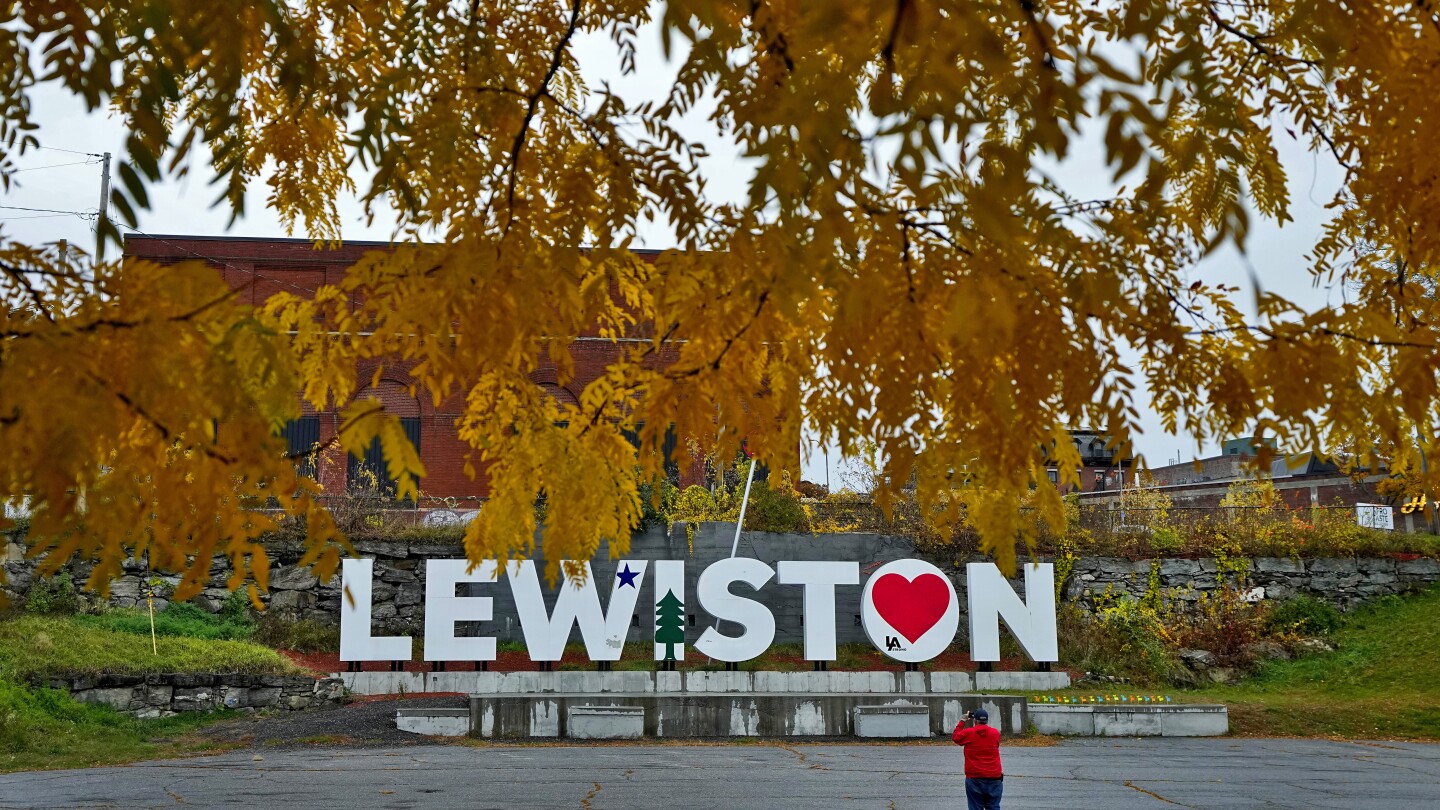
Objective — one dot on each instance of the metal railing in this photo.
(1118, 520)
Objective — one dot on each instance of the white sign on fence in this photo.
(909, 609)
(1375, 516)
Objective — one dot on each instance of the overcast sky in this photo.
(1275, 259)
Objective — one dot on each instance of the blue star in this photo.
(627, 577)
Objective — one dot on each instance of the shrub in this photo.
(694, 504)
(300, 636)
(1139, 635)
(1124, 638)
(54, 594)
(1166, 541)
(1306, 615)
(657, 500)
(775, 510)
(1223, 623)
(236, 607)
(808, 489)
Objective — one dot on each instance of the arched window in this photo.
(560, 395)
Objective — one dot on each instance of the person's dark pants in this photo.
(983, 794)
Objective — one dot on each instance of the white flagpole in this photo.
(744, 501)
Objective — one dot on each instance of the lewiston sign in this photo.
(908, 607)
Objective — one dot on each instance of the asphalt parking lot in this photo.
(1090, 773)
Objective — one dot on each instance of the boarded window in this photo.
(370, 472)
(302, 442)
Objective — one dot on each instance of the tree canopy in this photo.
(906, 267)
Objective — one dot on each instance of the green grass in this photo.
(181, 619)
(1383, 680)
(46, 728)
(33, 647)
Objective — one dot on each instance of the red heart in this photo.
(912, 607)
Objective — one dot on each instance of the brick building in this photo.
(259, 268)
(1303, 480)
(1101, 470)
(1230, 465)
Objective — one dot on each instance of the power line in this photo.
(69, 151)
(55, 166)
(85, 214)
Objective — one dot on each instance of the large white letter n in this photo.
(1032, 621)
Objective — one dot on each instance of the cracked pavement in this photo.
(1081, 773)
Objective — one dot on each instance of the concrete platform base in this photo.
(735, 715)
(893, 722)
(820, 683)
(434, 722)
(1131, 721)
(606, 722)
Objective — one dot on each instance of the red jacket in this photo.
(982, 751)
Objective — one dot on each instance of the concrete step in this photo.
(1177, 720)
(434, 722)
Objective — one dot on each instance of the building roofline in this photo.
(294, 240)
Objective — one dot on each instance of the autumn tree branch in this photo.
(1258, 46)
(532, 104)
(145, 415)
(1323, 331)
(888, 52)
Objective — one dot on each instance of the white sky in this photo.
(1276, 257)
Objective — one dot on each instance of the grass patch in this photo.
(46, 728)
(1381, 682)
(178, 620)
(33, 647)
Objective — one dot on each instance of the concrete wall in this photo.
(167, 694)
(728, 714)
(1131, 721)
(399, 589)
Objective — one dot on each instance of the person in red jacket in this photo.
(984, 778)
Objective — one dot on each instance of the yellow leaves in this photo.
(365, 421)
(154, 436)
(896, 264)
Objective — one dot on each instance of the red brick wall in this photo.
(260, 268)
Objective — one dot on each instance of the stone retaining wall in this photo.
(164, 695)
(1343, 582)
(399, 589)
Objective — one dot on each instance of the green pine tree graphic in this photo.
(670, 623)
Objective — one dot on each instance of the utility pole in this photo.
(104, 210)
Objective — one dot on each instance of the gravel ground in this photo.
(371, 723)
